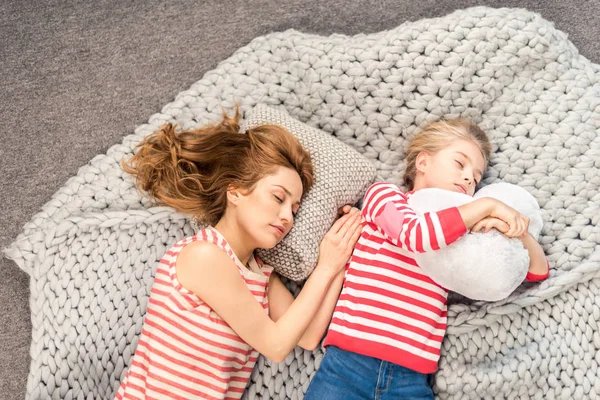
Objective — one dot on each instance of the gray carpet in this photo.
(80, 75)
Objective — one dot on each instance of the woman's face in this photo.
(458, 167)
(267, 212)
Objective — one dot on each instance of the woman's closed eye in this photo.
(281, 199)
(460, 164)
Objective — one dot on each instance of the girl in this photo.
(385, 336)
(214, 305)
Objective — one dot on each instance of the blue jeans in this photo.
(344, 375)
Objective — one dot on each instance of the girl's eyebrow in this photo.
(471, 161)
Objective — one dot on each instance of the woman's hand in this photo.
(517, 222)
(489, 223)
(337, 245)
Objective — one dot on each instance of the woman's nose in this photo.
(286, 214)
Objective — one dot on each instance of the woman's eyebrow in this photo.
(287, 192)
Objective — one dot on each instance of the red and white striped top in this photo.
(186, 350)
(389, 308)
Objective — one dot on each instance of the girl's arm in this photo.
(478, 209)
(386, 208)
(539, 267)
(217, 281)
(280, 300)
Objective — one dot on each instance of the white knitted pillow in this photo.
(342, 175)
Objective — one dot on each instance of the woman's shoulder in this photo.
(203, 260)
(203, 250)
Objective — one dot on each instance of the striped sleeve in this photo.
(531, 277)
(386, 207)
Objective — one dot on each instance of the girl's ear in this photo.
(421, 161)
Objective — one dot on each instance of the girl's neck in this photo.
(418, 186)
(236, 239)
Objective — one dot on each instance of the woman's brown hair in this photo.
(191, 171)
(438, 135)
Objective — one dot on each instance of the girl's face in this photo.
(266, 214)
(458, 167)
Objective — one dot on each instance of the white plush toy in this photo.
(481, 266)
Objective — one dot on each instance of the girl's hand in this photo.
(517, 222)
(338, 243)
(488, 223)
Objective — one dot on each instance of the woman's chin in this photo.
(270, 239)
(269, 244)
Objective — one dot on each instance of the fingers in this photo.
(523, 224)
(353, 216)
(335, 228)
(355, 227)
(344, 210)
(487, 224)
(477, 227)
(513, 227)
(501, 226)
(354, 237)
(518, 226)
(526, 230)
(338, 244)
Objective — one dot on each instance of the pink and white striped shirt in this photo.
(389, 308)
(186, 350)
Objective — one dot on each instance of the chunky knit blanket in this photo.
(92, 250)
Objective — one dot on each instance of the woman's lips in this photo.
(279, 229)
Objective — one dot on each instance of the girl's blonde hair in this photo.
(191, 171)
(438, 135)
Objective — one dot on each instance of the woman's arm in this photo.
(280, 297)
(217, 281)
(280, 300)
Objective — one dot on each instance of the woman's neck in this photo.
(236, 238)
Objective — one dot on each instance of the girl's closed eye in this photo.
(460, 164)
(278, 198)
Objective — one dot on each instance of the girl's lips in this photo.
(462, 188)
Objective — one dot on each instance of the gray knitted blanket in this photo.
(91, 251)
